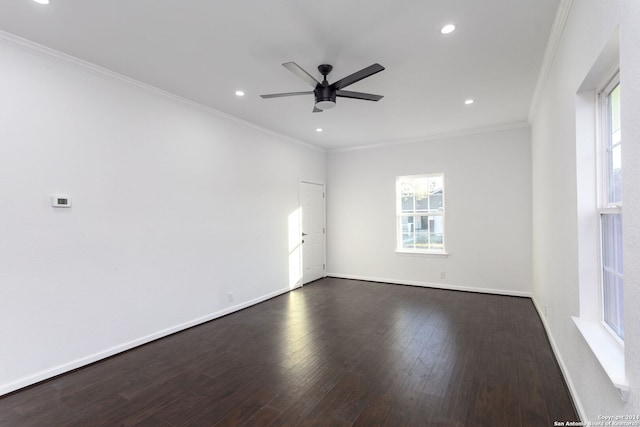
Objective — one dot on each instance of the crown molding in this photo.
(49, 53)
(562, 13)
(438, 137)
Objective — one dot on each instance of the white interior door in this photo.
(313, 231)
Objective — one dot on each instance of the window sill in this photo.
(421, 253)
(608, 351)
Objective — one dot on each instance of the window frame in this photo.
(606, 206)
(399, 215)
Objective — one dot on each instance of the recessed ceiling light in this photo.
(469, 102)
(239, 93)
(318, 129)
(42, 1)
(448, 29)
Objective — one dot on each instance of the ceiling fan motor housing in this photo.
(325, 94)
(325, 97)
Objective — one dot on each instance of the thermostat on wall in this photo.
(60, 201)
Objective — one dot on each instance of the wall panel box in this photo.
(61, 201)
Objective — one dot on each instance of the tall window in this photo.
(610, 210)
(420, 213)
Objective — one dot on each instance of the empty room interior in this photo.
(320, 213)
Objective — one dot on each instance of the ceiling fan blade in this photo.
(298, 71)
(280, 95)
(357, 76)
(358, 95)
(316, 109)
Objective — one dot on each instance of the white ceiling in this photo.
(204, 50)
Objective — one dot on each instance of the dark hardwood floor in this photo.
(336, 352)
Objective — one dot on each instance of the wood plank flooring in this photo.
(334, 353)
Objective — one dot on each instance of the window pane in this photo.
(436, 237)
(422, 202)
(615, 182)
(407, 224)
(433, 191)
(408, 234)
(620, 299)
(422, 232)
(612, 272)
(435, 202)
(617, 244)
(614, 102)
(613, 310)
(612, 242)
(407, 204)
(435, 184)
(607, 241)
(614, 148)
(407, 197)
(422, 193)
(609, 299)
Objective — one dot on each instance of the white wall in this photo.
(589, 27)
(488, 212)
(174, 206)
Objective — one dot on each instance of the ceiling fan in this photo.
(325, 93)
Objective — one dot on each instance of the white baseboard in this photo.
(432, 285)
(563, 367)
(87, 360)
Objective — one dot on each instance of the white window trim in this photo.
(604, 343)
(608, 350)
(421, 252)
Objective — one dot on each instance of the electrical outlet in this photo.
(443, 275)
(230, 296)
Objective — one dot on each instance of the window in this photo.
(420, 213)
(599, 209)
(610, 209)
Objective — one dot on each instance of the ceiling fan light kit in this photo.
(325, 94)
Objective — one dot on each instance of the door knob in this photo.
(304, 234)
